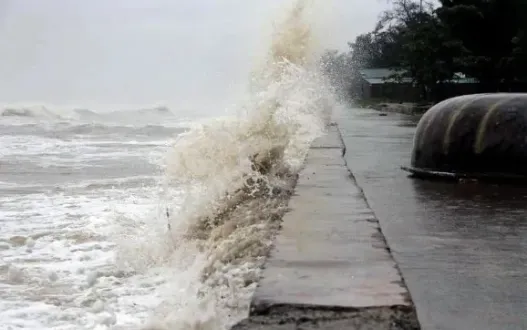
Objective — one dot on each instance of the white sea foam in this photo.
(57, 266)
(236, 175)
(183, 250)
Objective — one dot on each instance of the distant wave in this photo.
(23, 114)
(34, 112)
(95, 128)
(115, 183)
(67, 130)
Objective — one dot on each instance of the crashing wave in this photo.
(237, 175)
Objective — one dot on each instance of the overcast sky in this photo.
(186, 53)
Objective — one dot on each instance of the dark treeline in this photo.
(429, 44)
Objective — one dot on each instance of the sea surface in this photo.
(138, 219)
(69, 189)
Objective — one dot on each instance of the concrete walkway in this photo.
(460, 247)
(330, 267)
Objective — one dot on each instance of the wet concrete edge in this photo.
(273, 307)
(405, 109)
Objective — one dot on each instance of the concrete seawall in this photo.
(330, 267)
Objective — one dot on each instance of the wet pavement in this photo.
(461, 247)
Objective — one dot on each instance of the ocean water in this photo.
(140, 220)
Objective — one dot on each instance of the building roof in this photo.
(460, 78)
(376, 76)
(380, 75)
(376, 72)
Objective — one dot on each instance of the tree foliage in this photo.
(491, 32)
(483, 39)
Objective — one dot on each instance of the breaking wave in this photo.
(41, 121)
(237, 175)
(67, 130)
(62, 119)
(55, 112)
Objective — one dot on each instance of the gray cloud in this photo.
(138, 52)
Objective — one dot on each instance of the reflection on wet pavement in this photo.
(461, 247)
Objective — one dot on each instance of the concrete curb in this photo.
(405, 109)
(330, 267)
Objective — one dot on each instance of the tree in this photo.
(377, 49)
(483, 39)
(426, 53)
(518, 59)
(491, 33)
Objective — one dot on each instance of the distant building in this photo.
(379, 84)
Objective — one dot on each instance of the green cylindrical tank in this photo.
(475, 136)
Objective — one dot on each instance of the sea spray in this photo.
(236, 175)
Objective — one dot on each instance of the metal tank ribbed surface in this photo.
(475, 136)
